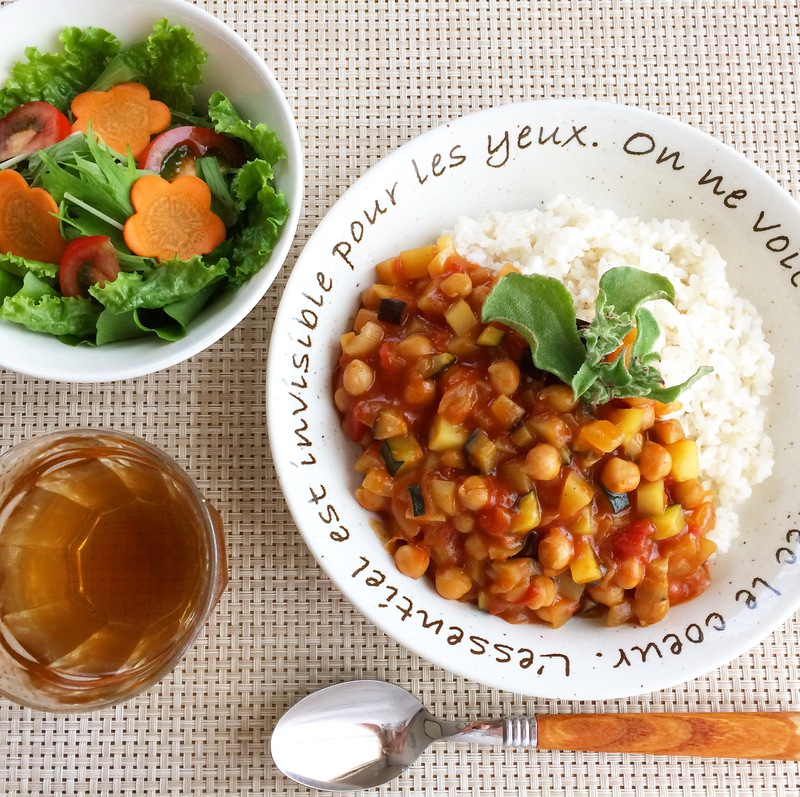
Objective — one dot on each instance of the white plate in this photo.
(514, 157)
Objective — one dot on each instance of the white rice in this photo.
(708, 325)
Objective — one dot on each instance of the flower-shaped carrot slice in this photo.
(172, 219)
(28, 227)
(124, 116)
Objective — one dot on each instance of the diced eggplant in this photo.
(417, 501)
(618, 501)
(392, 311)
(481, 451)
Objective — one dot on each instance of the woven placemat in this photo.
(364, 76)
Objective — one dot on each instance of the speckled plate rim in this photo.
(515, 156)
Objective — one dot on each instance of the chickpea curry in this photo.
(492, 478)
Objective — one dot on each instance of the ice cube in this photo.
(88, 482)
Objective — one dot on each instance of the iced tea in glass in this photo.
(110, 562)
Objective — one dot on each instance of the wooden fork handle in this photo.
(761, 735)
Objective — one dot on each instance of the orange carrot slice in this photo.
(28, 227)
(124, 116)
(172, 219)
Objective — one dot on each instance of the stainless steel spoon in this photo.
(362, 734)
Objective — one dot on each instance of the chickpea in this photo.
(543, 462)
(629, 573)
(452, 582)
(464, 522)
(454, 458)
(543, 592)
(474, 492)
(668, 431)
(504, 377)
(340, 399)
(689, 494)
(559, 398)
(372, 502)
(475, 547)
(654, 461)
(555, 552)
(419, 391)
(357, 378)
(412, 561)
(457, 285)
(414, 346)
(620, 476)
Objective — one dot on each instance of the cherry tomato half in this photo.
(31, 127)
(87, 261)
(174, 152)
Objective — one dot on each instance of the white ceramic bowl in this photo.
(755, 586)
(232, 67)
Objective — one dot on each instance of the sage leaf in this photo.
(541, 310)
(627, 288)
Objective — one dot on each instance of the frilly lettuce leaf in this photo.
(58, 77)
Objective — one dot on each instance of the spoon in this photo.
(362, 734)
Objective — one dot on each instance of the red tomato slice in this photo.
(174, 151)
(87, 261)
(31, 127)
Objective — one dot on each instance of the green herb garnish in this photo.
(542, 311)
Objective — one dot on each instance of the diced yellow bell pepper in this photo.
(415, 261)
(575, 495)
(584, 566)
(685, 460)
(651, 498)
(460, 317)
(628, 421)
(602, 436)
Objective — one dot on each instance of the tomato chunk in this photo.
(174, 151)
(31, 127)
(87, 261)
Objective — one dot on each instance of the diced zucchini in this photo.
(522, 436)
(670, 524)
(460, 317)
(400, 452)
(528, 514)
(575, 495)
(585, 567)
(392, 311)
(417, 501)
(513, 473)
(446, 435)
(481, 451)
(415, 261)
(430, 365)
(685, 460)
(389, 423)
(443, 494)
(651, 498)
(490, 336)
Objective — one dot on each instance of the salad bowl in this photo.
(233, 68)
(516, 157)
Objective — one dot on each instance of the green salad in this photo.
(124, 208)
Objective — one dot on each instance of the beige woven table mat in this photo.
(363, 77)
